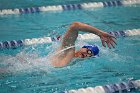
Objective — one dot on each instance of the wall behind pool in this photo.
(11, 4)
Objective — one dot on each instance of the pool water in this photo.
(28, 70)
(6, 4)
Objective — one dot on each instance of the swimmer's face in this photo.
(83, 53)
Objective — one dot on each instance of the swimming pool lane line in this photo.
(121, 87)
(68, 7)
(89, 36)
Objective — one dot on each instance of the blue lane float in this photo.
(11, 44)
(89, 36)
(90, 5)
(72, 7)
(112, 3)
(122, 87)
(29, 10)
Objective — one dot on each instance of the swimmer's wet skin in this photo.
(62, 59)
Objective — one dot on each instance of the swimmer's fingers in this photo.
(112, 36)
(112, 44)
(109, 45)
(112, 39)
(103, 42)
(108, 42)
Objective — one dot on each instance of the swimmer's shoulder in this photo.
(63, 57)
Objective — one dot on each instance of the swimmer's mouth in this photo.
(83, 56)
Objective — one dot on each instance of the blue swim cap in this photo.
(93, 48)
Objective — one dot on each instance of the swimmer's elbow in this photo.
(75, 26)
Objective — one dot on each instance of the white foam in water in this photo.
(109, 54)
(22, 63)
(25, 62)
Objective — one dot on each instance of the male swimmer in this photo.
(68, 41)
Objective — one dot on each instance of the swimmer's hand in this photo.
(108, 39)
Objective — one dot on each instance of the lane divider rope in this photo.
(68, 7)
(89, 36)
(122, 87)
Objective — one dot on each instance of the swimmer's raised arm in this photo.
(62, 59)
(72, 34)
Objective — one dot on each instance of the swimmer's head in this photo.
(87, 51)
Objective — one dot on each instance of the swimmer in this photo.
(68, 43)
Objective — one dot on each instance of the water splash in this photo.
(27, 60)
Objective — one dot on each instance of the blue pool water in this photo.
(6, 4)
(27, 69)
